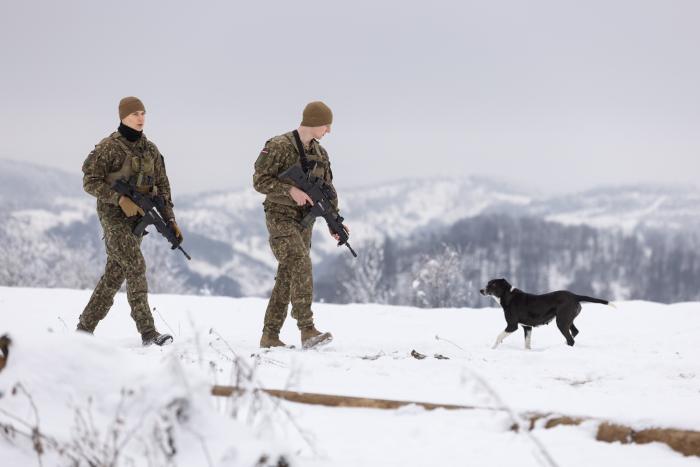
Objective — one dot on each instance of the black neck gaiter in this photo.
(129, 133)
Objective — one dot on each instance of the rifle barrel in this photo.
(185, 253)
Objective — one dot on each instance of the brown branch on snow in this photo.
(686, 442)
(337, 401)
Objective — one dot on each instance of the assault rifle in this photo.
(152, 207)
(321, 194)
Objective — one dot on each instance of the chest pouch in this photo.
(318, 167)
(143, 169)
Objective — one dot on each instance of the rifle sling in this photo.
(302, 154)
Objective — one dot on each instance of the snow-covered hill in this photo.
(236, 222)
(627, 208)
(225, 231)
(49, 221)
(636, 365)
(28, 186)
(404, 207)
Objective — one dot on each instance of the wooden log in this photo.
(685, 442)
(329, 400)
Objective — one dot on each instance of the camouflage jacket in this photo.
(108, 157)
(278, 155)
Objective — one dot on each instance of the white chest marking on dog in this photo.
(498, 300)
(500, 338)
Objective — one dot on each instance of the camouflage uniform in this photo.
(289, 241)
(124, 259)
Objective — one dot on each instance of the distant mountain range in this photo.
(52, 238)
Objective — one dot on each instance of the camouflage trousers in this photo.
(291, 244)
(124, 261)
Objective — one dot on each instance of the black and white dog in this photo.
(534, 310)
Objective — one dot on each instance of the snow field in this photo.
(636, 365)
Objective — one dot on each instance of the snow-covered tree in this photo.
(439, 281)
(366, 278)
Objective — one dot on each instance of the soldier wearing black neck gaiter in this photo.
(129, 156)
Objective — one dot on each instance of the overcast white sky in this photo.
(556, 95)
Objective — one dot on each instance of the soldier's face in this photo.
(319, 132)
(135, 120)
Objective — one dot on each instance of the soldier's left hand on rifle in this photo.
(336, 236)
(178, 232)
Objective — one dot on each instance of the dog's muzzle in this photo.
(482, 292)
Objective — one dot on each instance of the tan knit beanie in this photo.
(129, 105)
(317, 114)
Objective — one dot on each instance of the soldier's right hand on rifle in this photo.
(300, 197)
(129, 207)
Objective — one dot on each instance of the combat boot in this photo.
(269, 340)
(156, 338)
(312, 337)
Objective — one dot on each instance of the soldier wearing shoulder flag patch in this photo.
(285, 206)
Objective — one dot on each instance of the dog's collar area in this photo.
(512, 288)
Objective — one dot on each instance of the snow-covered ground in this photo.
(636, 365)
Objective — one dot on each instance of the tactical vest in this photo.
(136, 170)
(319, 166)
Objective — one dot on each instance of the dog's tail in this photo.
(583, 298)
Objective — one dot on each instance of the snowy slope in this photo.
(25, 185)
(675, 208)
(636, 365)
(101, 402)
